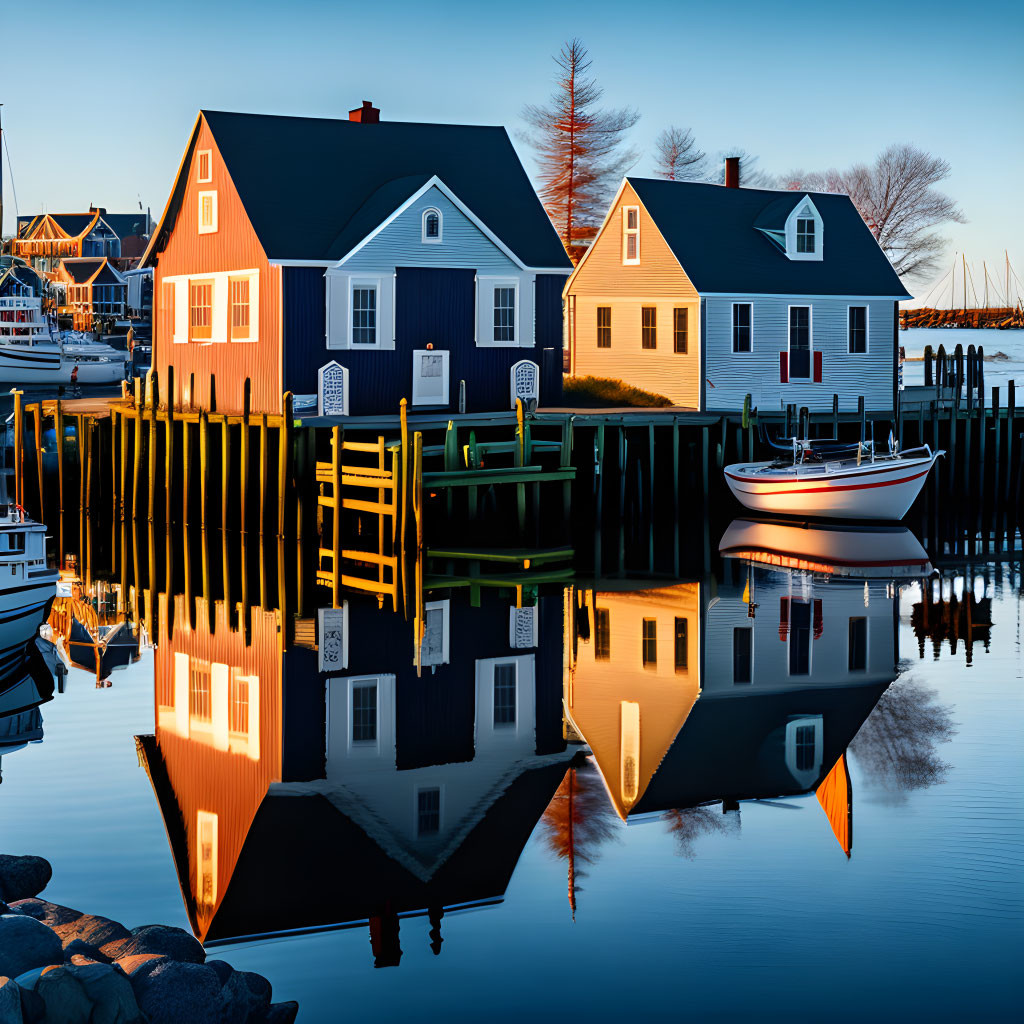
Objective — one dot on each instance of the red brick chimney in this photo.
(366, 114)
(732, 172)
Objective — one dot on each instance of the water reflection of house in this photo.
(786, 665)
(633, 676)
(941, 615)
(384, 793)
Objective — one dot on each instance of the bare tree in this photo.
(897, 197)
(686, 825)
(579, 147)
(896, 745)
(676, 156)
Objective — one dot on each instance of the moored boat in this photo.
(834, 481)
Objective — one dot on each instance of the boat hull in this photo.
(36, 366)
(873, 491)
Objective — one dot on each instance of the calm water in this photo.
(775, 790)
(1004, 353)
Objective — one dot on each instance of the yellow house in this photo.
(633, 677)
(707, 293)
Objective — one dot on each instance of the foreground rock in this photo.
(25, 943)
(21, 877)
(60, 965)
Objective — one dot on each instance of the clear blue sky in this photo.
(802, 85)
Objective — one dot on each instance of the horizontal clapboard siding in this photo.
(730, 376)
(463, 245)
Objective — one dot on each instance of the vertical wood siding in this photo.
(731, 376)
(435, 306)
(233, 246)
(659, 281)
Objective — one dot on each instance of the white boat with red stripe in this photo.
(834, 482)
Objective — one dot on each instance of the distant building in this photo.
(415, 256)
(706, 293)
(47, 238)
(94, 291)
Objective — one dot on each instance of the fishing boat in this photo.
(834, 481)
(841, 551)
(33, 352)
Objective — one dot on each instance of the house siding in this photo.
(463, 245)
(657, 280)
(234, 246)
(731, 376)
(433, 306)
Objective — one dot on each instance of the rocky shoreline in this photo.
(60, 965)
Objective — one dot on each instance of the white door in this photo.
(429, 377)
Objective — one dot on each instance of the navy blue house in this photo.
(415, 257)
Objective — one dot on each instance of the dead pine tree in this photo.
(676, 156)
(580, 149)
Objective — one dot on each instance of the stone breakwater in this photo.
(60, 965)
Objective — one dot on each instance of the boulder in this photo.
(10, 1001)
(78, 948)
(239, 1003)
(223, 968)
(131, 964)
(168, 991)
(280, 1013)
(109, 992)
(70, 924)
(22, 877)
(64, 998)
(259, 986)
(175, 943)
(26, 943)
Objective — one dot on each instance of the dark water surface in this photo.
(777, 791)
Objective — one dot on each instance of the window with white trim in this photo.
(858, 329)
(630, 234)
(364, 712)
(428, 811)
(432, 226)
(805, 234)
(742, 329)
(505, 313)
(204, 166)
(799, 342)
(207, 211)
(200, 310)
(505, 674)
(239, 309)
(364, 314)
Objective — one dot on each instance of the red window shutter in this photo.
(783, 367)
(783, 613)
(817, 367)
(819, 619)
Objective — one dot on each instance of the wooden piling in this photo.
(154, 398)
(58, 425)
(169, 447)
(243, 454)
(336, 437)
(264, 440)
(204, 465)
(37, 426)
(284, 459)
(403, 415)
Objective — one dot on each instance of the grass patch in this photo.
(596, 391)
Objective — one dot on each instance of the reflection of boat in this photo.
(94, 627)
(827, 481)
(27, 585)
(28, 681)
(857, 551)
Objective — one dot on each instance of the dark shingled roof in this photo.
(81, 268)
(352, 175)
(713, 232)
(125, 224)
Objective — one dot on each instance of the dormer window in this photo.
(630, 234)
(804, 234)
(432, 226)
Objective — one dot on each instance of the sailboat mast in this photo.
(964, 257)
(1, 175)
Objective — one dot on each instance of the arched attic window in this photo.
(805, 233)
(432, 225)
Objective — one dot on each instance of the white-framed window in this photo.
(743, 327)
(504, 316)
(430, 376)
(804, 232)
(505, 690)
(503, 304)
(630, 235)
(428, 810)
(365, 315)
(857, 330)
(436, 633)
(240, 309)
(206, 858)
(214, 307)
(364, 713)
(629, 751)
(432, 226)
(801, 342)
(206, 209)
(804, 749)
(204, 166)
